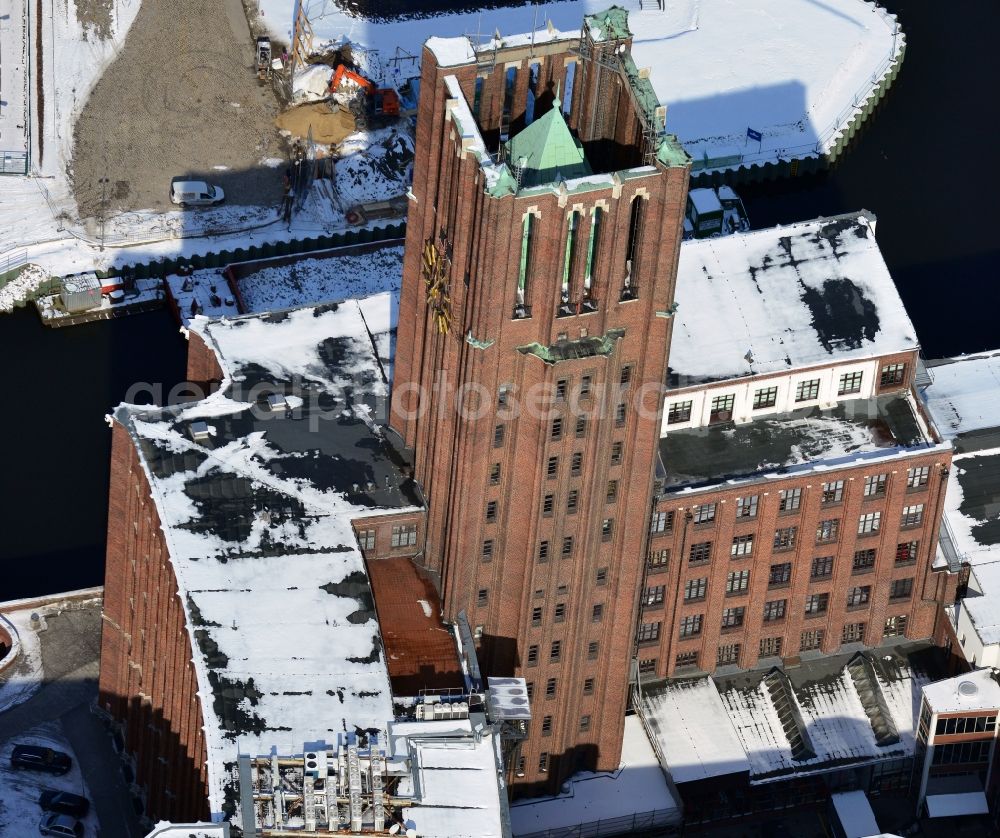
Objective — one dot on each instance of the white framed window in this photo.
(850, 383)
(869, 523)
(807, 391)
(875, 485)
(737, 582)
(833, 492)
(917, 477)
(679, 412)
(913, 516)
(789, 499)
(765, 397)
(747, 507)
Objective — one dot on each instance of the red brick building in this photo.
(542, 244)
(238, 611)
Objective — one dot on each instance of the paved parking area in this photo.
(181, 99)
(19, 790)
(59, 714)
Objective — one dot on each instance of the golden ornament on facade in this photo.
(438, 299)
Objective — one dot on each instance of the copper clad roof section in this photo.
(420, 651)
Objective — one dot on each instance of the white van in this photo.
(195, 193)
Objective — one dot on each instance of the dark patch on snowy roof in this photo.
(227, 696)
(842, 316)
(164, 463)
(979, 478)
(777, 443)
(792, 297)
(229, 505)
(354, 585)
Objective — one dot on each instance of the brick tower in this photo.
(542, 245)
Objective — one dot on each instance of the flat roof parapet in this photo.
(791, 443)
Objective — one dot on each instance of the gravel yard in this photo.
(181, 99)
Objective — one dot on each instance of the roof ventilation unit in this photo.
(276, 402)
(200, 432)
(315, 764)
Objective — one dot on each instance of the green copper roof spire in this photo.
(546, 151)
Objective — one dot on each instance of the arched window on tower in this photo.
(637, 216)
(593, 254)
(521, 308)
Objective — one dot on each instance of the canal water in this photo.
(58, 386)
(925, 165)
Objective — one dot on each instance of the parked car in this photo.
(63, 802)
(63, 825)
(195, 193)
(39, 758)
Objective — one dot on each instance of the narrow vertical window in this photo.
(534, 70)
(477, 98)
(571, 240)
(592, 251)
(632, 249)
(567, 94)
(508, 103)
(527, 237)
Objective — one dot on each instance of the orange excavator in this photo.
(385, 100)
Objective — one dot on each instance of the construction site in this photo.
(260, 119)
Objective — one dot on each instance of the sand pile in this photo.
(328, 126)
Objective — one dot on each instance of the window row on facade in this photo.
(401, 535)
(790, 500)
(807, 391)
(734, 654)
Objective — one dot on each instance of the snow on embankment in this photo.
(801, 74)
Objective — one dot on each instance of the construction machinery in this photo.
(382, 101)
(263, 58)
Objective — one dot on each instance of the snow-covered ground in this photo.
(317, 280)
(794, 70)
(19, 790)
(13, 86)
(38, 214)
(24, 676)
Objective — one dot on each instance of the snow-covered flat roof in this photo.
(954, 805)
(972, 506)
(964, 403)
(965, 394)
(165, 829)
(981, 692)
(637, 787)
(692, 730)
(802, 440)
(805, 295)
(460, 782)
(794, 71)
(256, 506)
(847, 709)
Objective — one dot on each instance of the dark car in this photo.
(63, 825)
(64, 802)
(39, 758)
